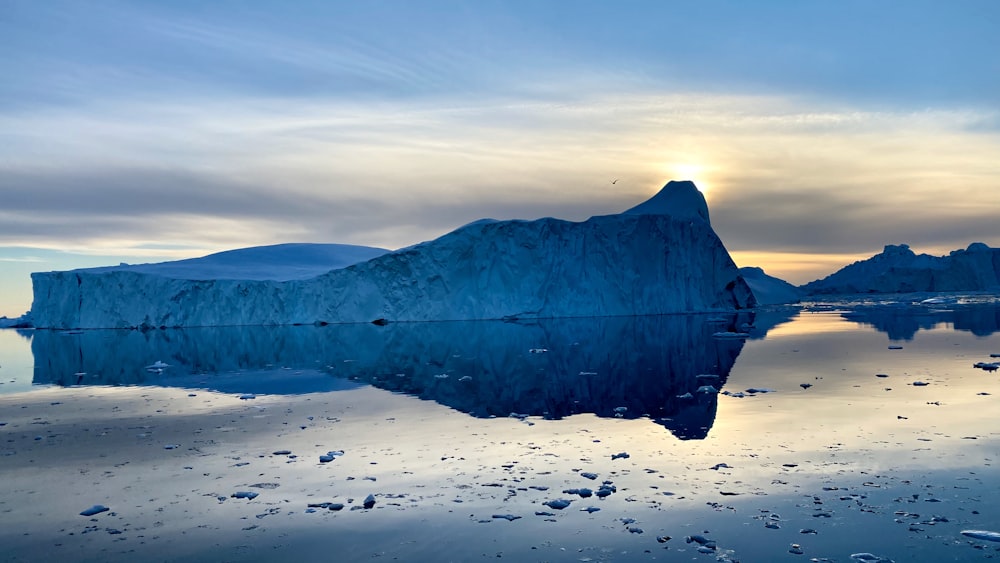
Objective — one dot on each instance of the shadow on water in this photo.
(612, 367)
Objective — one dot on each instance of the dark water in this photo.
(625, 367)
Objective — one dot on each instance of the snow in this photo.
(897, 269)
(280, 262)
(652, 259)
(769, 290)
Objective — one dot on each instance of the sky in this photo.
(819, 132)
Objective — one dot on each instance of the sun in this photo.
(689, 171)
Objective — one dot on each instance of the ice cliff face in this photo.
(897, 269)
(628, 264)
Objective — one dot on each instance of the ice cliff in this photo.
(653, 259)
(897, 269)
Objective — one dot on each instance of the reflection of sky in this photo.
(836, 449)
(16, 361)
(144, 131)
(849, 410)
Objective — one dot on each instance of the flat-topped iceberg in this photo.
(634, 263)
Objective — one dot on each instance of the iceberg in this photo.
(657, 258)
(769, 290)
(897, 269)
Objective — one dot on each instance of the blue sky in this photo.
(820, 131)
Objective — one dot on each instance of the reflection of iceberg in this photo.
(902, 322)
(619, 366)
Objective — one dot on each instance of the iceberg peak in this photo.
(678, 198)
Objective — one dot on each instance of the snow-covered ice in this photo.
(659, 257)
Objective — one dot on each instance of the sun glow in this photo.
(689, 171)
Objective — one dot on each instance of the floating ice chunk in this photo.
(508, 517)
(620, 455)
(157, 366)
(920, 384)
(588, 475)
(247, 396)
(99, 508)
(895, 347)
(708, 389)
(557, 504)
(870, 558)
(441, 376)
(686, 396)
(249, 495)
(988, 366)
(465, 378)
(538, 350)
(754, 390)
(728, 334)
(982, 535)
(369, 501)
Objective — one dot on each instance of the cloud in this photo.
(782, 174)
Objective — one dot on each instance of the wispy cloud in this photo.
(781, 173)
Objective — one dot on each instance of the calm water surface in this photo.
(838, 428)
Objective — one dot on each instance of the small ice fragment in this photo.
(441, 376)
(588, 475)
(249, 495)
(735, 335)
(635, 529)
(538, 350)
(870, 558)
(893, 347)
(369, 501)
(805, 385)
(335, 506)
(753, 390)
(707, 389)
(508, 517)
(621, 410)
(465, 378)
(620, 455)
(920, 384)
(982, 535)
(99, 508)
(171, 446)
(590, 509)
(686, 396)
(719, 466)
(557, 504)
(325, 458)
(281, 452)
(247, 396)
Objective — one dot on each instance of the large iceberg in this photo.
(651, 260)
(897, 269)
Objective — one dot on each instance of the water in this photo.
(871, 432)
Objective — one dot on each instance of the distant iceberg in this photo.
(659, 257)
(769, 290)
(897, 269)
